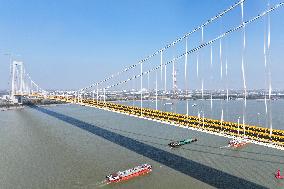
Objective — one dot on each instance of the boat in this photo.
(278, 175)
(237, 143)
(169, 103)
(182, 142)
(129, 173)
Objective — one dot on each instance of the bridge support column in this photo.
(17, 81)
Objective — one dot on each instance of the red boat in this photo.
(129, 173)
(237, 143)
(278, 175)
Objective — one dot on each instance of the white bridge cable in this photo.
(161, 66)
(185, 66)
(202, 88)
(227, 87)
(38, 88)
(243, 68)
(209, 21)
(221, 60)
(227, 80)
(221, 76)
(141, 86)
(269, 71)
(156, 89)
(211, 70)
(97, 94)
(275, 7)
(185, 75)
(133, 90)
(197, 63)
(148, 77)
(165, 77)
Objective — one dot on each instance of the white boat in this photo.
(237, 143)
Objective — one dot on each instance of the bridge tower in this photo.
(17, 84)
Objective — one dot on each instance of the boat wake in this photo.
(99, 184)
(227, 146)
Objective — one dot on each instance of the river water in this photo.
(71, 146)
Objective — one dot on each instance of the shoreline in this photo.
(22, 106)
(14, 107)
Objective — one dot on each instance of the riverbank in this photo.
(10, 106)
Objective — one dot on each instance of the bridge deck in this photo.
(255, 134)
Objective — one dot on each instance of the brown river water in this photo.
(71, 146)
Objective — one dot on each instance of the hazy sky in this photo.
(69, 44)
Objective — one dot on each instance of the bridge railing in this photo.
(249, 132)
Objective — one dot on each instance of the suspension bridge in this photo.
(149, 78)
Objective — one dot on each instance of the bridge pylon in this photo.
(19, 87)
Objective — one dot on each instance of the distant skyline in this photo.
(72, 44)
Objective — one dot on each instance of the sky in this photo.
(70, 44)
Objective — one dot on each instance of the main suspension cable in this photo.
(221, 14)
(279, 5)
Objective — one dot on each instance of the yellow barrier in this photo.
(255, 133)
